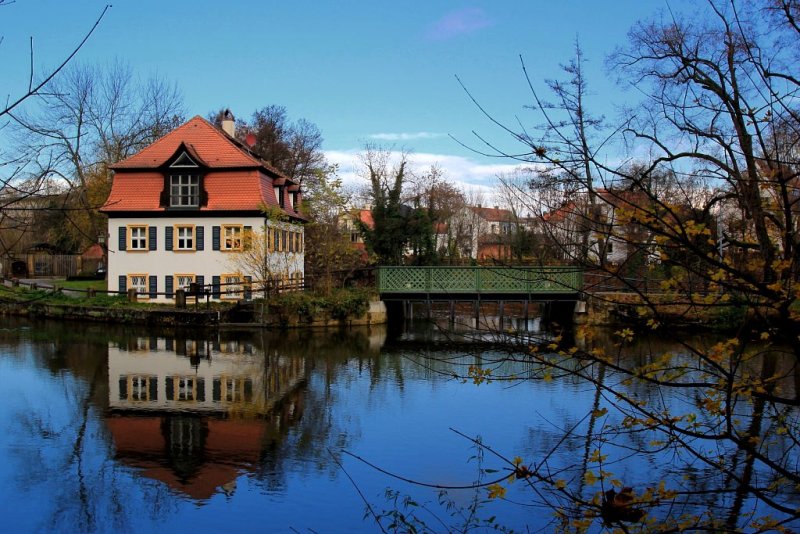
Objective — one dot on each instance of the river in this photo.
(128, 429)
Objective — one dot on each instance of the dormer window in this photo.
(184, 183)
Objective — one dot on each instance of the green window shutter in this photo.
(200, 281)
(153, 282)
(248, 290)
(152, 240)
(215, 231)
(199, 237)
(168, 231)
(201, 390)
(153, 385)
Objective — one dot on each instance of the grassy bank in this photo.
(71, 299)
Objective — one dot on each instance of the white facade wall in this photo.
(206, 263)
(270, 378)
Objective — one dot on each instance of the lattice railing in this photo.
(555, 279)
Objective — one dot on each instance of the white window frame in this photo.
(186, 388)
(232, 286)
(142, 290)
(184, 190)
(180, 241)
(137, 242)
(228, 242)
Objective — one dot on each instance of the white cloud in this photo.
(465, 173)
(459, 22)
(406, 136)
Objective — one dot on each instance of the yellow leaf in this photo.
(496, 491)
(590, 477)
(561, 483)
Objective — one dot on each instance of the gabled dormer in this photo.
(183, 180)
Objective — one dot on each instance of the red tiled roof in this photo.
(95, 252)
(237, 180)
(492, 214)
(246, 190)
(133, 192)
(210, 144)
(365, 216)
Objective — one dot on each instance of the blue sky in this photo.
(362, 71)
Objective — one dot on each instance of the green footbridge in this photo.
(480, 282)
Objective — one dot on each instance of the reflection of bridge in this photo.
(479, 283)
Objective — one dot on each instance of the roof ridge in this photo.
(156, 142)
(231, 140)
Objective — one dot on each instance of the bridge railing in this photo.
(480, 279)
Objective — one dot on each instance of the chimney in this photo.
(228, 123)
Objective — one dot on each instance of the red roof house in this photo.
(184, 208)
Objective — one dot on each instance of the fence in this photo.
(42, 264)
(230, 292)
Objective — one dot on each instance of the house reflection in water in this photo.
(196, 414)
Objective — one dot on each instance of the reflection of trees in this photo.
(659, 419)
(66, 452)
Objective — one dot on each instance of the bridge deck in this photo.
(511, 281)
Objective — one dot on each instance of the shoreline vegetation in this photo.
(91, 302)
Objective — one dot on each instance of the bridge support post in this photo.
(476, 305)
(452, 312)
(501, 311)
(527, 305)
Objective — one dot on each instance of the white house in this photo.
(186, 208)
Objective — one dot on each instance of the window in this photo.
(184, 190)
(183, 281)
(231, 287)
(139, 283)
(137, 237)
(187, 388)
(231, 238)
(185, 237)
(140, 388)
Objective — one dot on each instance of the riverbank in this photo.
(299, 310)
(616, 310)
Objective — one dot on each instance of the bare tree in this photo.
(711, 207)
(90, 118)
(294, 148)
(19, 189)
